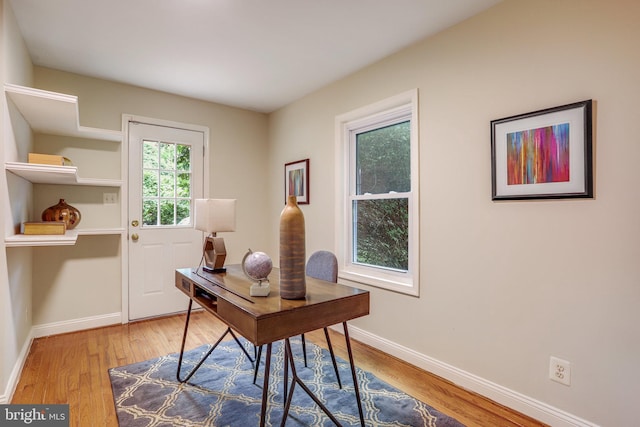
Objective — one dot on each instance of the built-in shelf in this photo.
(99, 231)
(54, 113)
(49, 174)
(68, 239)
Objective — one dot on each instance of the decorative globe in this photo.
(257, 265)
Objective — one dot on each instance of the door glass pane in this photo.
(167, 156)
(183, 160)
(167, 212)
(150, 212)
(150, 155)
(381, 233)
(183, 187)
(150, 183)
(183, 212)
(167, 184)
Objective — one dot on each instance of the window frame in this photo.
(396, 109)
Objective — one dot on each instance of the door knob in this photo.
(134, 223)
(135, 237)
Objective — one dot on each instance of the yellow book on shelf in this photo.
(49, 159)
(44, 227)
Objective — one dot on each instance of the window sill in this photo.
(406, 286)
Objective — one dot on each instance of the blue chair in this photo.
(323, 265)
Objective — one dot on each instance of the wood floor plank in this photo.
(73, 368)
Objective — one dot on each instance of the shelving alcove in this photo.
(57, 114)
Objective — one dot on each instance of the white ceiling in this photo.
(254, 54)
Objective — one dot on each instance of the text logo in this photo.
(34, 415)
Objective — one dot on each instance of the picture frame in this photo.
(296, 181)
(545, 154)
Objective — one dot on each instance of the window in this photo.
(166, 184)
(377, 202)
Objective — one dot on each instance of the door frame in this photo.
(124, 190)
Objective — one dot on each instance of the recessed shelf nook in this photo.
(55, 113)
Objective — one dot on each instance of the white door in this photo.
(165, 176)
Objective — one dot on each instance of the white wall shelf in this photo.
(54, 113)
(68, 239)
(99, 231)
(49, 174)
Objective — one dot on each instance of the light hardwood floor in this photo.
(72, 368)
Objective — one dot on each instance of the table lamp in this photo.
(213, 216)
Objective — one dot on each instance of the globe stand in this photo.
(259, 289)
(257, 266)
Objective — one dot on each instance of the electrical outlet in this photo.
(109, 198)
(560, 371)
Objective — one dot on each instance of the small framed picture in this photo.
(544, 154)
(296, 181)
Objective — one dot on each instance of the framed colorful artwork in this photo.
(296, 181)
(544, 154)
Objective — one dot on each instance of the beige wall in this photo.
(238, 142)
(15, 263)
(505, 285)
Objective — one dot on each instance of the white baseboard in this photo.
(512, 399)
(509, 398)
(76, 325)
(16, 371)
(54, 328)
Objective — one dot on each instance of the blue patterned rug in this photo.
(222, 393)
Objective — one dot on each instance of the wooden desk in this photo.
(263, 320)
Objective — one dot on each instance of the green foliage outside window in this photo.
(382, 229)
(166, 184)
(383, 160)
(381, 225)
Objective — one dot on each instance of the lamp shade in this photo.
(214, 215)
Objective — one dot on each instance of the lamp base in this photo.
(214, 255)
(214, 270)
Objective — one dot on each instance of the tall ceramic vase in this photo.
(292, 251)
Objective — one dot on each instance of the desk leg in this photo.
(297, 380)
(257, 365)
(184, 340)
(285, 383)
(244, 350)
(265, 385)
(353, 373)
(193, 371)
(286, 370)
